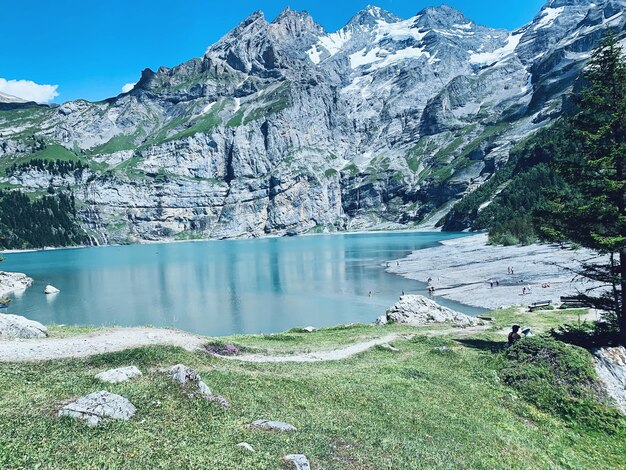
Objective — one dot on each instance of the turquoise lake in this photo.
(222, 287)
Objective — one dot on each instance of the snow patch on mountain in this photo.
(548, 16)
(399, 31)
(499, 54)
(331, 43)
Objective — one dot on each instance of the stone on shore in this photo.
(273, 425)
(611, 368)
(10, 282)
(382, 320)
(417, 310)
(122, 374)
(309, 329)
(15, 326)
(296, 462)
(51, 290)
(98, 407)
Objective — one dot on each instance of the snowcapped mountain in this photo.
(283, 128)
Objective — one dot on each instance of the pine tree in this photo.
(592, 212)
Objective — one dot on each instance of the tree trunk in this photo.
(621, 307)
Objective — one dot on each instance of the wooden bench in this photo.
(575, 301)
(542, 303)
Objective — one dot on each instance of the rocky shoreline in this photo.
(462, 270)
(11, 282)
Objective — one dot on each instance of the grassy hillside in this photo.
(438, 403)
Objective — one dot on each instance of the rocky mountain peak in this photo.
(566, 3)
(370, 16)
(442, 17)
(282, 129)
(294, 23)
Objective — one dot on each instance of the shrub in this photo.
(559, 378)
(587, 335)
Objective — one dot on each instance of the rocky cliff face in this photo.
(282, 128)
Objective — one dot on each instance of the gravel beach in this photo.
(461, 270)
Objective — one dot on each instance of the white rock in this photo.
(246, 446)
(389, 347)
(417, 310)
(309, 329)
(98, 407)
(122, 374)
(273, 425)
(185, 376)
(16, 326)
(11, 282)
(382, 320)
(296, 462)
(51, 290)
(611, 368)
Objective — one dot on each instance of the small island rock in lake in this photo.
(417, 310)
(51, 290)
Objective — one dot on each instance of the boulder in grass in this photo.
(389, 347)
(417, 310)
(122, 374)
(273, 425)
(99, 407)
(15, 326)
(188, 377)
(245, 445)
(296, 462)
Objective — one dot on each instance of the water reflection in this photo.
(220, 287)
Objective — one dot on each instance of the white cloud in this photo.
(129, 86)
(28, 90)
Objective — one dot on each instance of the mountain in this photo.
(283, 128)
(5, 98)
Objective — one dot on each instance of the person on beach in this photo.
(497, 283)
(514, 336)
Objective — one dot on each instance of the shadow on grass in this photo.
(483, 344)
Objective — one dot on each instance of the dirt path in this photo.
(349, 351)
(101, 342)
(94, 343)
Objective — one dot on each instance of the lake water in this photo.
(222, 287)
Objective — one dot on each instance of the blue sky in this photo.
(90, 48)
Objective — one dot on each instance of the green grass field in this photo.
(422, 407)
